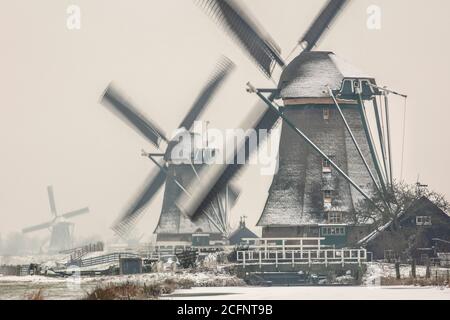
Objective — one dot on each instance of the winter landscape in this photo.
(177, 150)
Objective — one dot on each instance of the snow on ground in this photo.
(312, 293)
(39, 259)
(30, 279)
(222, 286)
(76, 288)
(377, 270)
(200, 279)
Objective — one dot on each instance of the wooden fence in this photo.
(105, 259)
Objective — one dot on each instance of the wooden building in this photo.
(308, 197)
(412, 235)
(242, 232)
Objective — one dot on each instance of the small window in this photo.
(326, 166)
(327, 196)
(335, 217)
(423, 220)
(326, 114)
(333, 231)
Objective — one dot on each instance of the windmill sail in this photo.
(75, 213)
(234, 18)
(151, 187)
(61, 230)
(116, 102)
(321, 23)
(214, 179)
(38, 227)
(51, 200)
(125, 224)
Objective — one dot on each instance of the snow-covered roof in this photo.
(419, 202)
(308, 75)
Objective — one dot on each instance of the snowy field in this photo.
(313, 293)
(59, 290)
(220, 286)
(17, 288)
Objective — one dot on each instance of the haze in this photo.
(53, 131)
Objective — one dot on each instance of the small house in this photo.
(413, 235)
(242, 232)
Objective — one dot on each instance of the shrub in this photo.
(37, 295)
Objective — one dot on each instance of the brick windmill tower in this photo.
(328, 156)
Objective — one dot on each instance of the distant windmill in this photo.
(172, 224)
(61, 230)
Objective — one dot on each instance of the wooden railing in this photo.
(302, 257)
(296, 251)
(105, 259)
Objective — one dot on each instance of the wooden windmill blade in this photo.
(135, 210)
(75, 213)
(244, 29)
(124, 109)
(223, 69)
(38, 227)
(323, 21)
(214, 179)
(51, 200)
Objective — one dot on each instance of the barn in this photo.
(413, 235)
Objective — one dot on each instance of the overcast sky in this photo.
(54, 131)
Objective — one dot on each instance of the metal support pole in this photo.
(316, 148)
(370, 142)
(381, 138)
(388, 126)
(355, 142)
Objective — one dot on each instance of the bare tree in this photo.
(402, 195)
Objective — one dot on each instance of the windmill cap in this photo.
(310, 73)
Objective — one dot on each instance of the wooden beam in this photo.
(305, 101)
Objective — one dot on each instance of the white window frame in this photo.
(423, 221)
(335, 217)
(333, 231)
(326, 113)
(327, 199)
(326, 166)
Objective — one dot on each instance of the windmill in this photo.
(328, 156)
(172, 224)
(61, 237)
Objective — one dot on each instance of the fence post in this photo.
(301, 249)
(293, 258)
(397, 270)
(428, 271)
(413, 268)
